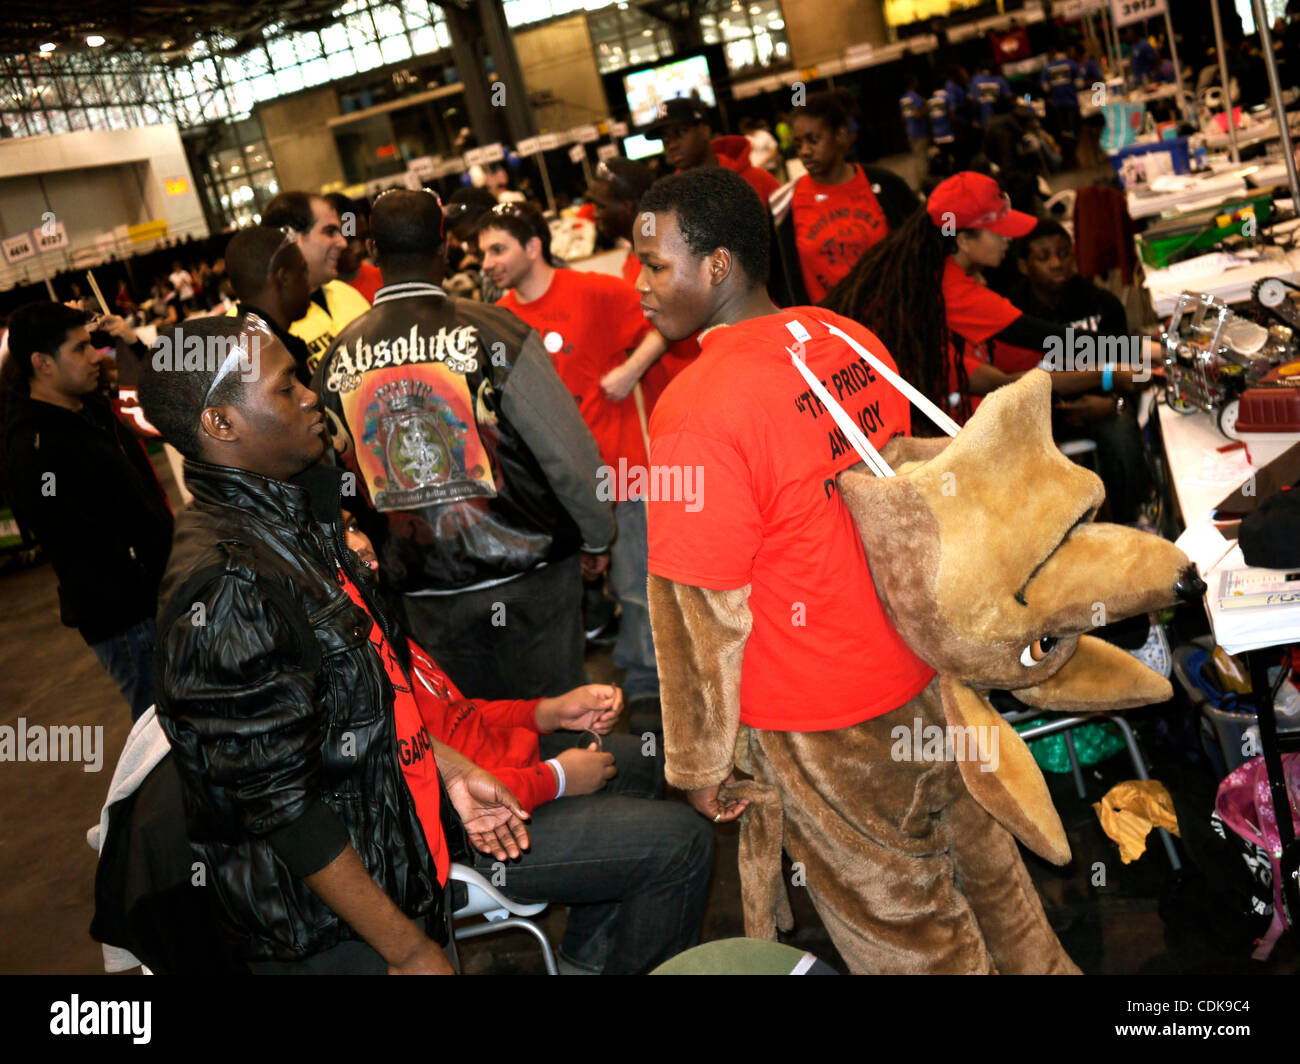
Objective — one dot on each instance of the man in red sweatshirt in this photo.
(633, 869)
(684, 127)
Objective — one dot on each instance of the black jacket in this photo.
(82, 483)
(458, 430)
(280, 714)
(786, 285)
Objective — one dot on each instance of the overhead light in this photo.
(94, 40)
(48, 46)
(776, 24)
(647, 33)
(754, 9)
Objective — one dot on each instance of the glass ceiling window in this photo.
(86, 90)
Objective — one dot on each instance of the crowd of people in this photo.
(402, 518)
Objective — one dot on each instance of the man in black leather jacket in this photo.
(278, 709)
(458, 431)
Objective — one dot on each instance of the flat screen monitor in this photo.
(648, 90)
(639, 146)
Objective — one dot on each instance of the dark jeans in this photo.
(520, 639)
(128, 657)
(628, 567)
(633, 869)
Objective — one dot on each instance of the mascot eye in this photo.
(1037, 651)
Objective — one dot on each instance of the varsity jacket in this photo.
(451, 418)
(786, 285)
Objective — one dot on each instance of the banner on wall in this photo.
(138, 234)
(17, 248)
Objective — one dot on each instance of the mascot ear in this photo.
(1003, 775)
(1098, 677)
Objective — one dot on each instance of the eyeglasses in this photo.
(426, 191)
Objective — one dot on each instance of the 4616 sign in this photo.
(1126, 11)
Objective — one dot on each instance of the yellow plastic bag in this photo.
(1130, 810)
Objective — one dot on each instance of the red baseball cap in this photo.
(974, 201)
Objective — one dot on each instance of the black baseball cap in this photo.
(678, 112)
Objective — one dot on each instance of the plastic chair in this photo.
(1065, 724)
(498, 911)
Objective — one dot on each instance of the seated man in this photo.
(320, 856)
(634, 871)
(1051, 288)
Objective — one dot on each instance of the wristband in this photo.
(559, 775)
(1107, 378)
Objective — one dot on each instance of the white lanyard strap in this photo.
(851, 431)
(854, 434)
(940, 419)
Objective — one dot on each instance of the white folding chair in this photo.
(499, 913)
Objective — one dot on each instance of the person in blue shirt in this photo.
(912, 105)
(1142, 56)
(1061, 79)
(987, 88)
(939, 107)
(1089, 71)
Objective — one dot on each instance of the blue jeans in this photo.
(628, 573)
(633, 869)
(128, 657)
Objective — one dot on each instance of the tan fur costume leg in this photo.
(868, 831)
(994, 879)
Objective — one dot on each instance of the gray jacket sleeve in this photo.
(547, 418)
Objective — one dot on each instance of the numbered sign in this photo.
(584, 134)
(488, 153)
(577, 153)
(423, 167)
(19, 247)
(50, 238)
(528, 146)
(618, 129)
(1125, 11)
(549, 141)
(607, 151)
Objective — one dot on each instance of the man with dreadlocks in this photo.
(920, 290)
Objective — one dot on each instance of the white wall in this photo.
(95, 180)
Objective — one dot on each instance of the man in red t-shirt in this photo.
(589, 322)
(764, 609)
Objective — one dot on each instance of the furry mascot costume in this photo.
(984, 554)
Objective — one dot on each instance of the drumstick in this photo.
(103, 306)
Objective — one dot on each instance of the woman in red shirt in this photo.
(833, 209)
(922, 293)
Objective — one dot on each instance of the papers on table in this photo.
(1238, 630)
(1229, 277)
